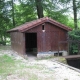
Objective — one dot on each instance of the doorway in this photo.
(31, 44)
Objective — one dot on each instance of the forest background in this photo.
(16, 12)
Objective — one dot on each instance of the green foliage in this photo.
(70, 23)
(23, 12)
(75, 37)
(2, 43)
(26, 11)
(4, 21)
(52, 9)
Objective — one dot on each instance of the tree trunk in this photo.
(39, 8)
(75, 14)
(2, 38)
(13, 13)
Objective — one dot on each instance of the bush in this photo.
(2, 43)
(75, 37)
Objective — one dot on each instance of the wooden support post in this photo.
(68, 47)
(78, 47)
(58, 48)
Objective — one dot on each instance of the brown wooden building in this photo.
(39, 36)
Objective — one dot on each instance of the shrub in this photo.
(2, 43)
(74, 36)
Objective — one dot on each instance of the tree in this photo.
(56, 10)
(39, 8)
(25, 12)
(73, 5)
(75, 14)
(13, 15)
(4, 20)
(74, 37)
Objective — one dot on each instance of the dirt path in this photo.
(42, 69)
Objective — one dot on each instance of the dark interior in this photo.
(31, 43)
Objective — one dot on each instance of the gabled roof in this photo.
(34, 23)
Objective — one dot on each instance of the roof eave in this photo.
(59, 24)
(9, 31)
(41, 21)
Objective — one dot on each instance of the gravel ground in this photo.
(59, 71)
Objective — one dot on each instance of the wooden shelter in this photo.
(39, 36)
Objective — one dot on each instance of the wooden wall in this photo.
(48, 40)
(17, 42)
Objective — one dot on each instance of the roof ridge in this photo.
(31, 24)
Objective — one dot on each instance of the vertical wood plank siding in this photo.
(46, 41)
(17, 42)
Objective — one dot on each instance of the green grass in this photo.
(7, 66)
(2, 47)
(29, 75)
(58, 58)
(62, 60)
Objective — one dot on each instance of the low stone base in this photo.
(44, 55)
(49, 54)
(64, 53)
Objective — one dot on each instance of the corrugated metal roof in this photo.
(34, 23)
